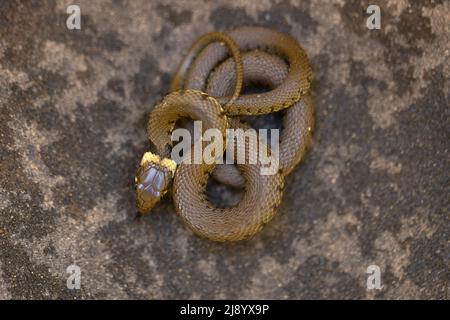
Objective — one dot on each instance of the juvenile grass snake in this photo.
(207, 86)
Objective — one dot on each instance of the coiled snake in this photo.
(207, 87)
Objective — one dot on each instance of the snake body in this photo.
(207, 87)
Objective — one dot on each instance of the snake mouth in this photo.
(145, 199)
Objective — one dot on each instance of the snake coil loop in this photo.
(207, 87)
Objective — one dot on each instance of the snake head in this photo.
(152, 180)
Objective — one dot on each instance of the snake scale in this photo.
(207, 86)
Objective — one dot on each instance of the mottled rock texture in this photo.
(374, 189)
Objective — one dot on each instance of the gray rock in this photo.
(374, 189)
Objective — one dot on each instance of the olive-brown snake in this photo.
(207, 87)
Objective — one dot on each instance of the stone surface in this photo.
(374, 189)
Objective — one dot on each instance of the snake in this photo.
(208, 86)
